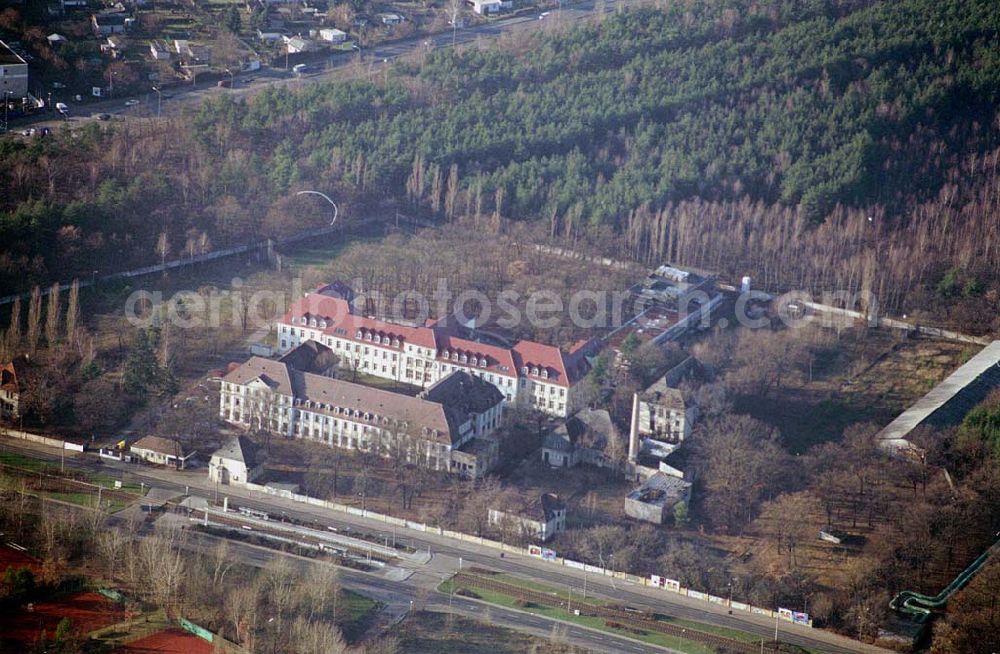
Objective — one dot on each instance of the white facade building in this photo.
(541, 376)
(270, 395)
(236, 462)
(13, 74)
(541, 520)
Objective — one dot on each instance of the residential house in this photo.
(332, 35)
(238, 461)
(665, 411)
(159, 50)
(269, 37)
(192, 54)
(426, 430)
(485, 7)
(300, 44)
(114, 46)
(540, 376)
(12, 381)
(161, 451)
(542, 519)
(588, 437)
(389, 19)
(106, 24)
(13, 74)
(657, 496)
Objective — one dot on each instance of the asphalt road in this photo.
(400, 598)
(449, 554)
(175, 99)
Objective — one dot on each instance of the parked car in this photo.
(223, 84)
(131, 103)
(103, 116)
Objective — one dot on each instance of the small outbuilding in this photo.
(238, 461)
(161, 451)
(655, 497)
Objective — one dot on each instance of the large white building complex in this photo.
(446, 427)
(542, 376)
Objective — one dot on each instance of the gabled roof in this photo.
(340, 322)
(272, 373)
(463, 395)
(590, 428)
(310, 356)
(12, 375)
(239, 448)
(160, 445)
(499, 360)
(665, 391)
(544, 363)
(561, 368)
(435, 418)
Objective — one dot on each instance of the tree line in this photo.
(700, 132)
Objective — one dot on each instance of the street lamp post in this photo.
(159, 100)
(6, 105)
(232, 79)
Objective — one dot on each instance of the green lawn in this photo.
(15, 460)
(108, 481)
(426, 632)
(354, 613)
(380, 382)
(735, 634)
(663, 640)
(325, 252)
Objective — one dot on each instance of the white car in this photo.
(131, 103)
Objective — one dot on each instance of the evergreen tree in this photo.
(142, 371)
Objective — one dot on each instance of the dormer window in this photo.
(475, 361)
(322, 324)
(465, 358)
(358, 335)
(524, 370)
(305, 321)
(545, 373)
(395, 342)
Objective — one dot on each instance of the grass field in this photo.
(862, 376)
(355, 612)
(558, 613)
(426, 632)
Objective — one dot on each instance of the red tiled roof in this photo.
(499, 360)
(343, 324)
(563, 369)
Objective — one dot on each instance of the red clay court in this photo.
(9, 557)
(87, 611)
(171, 641)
